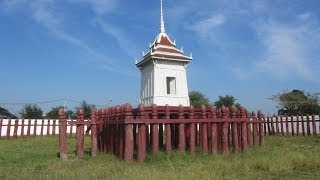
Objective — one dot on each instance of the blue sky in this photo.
(86, 49)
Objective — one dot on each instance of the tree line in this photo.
(33, 111)
(295, 102)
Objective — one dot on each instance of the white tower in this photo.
(163, 72)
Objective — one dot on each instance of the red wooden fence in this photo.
(293, 125)
(124, 131)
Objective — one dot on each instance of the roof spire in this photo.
(162, 30)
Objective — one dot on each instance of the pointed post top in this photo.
(162, 30)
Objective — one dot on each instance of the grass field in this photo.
(280, 158)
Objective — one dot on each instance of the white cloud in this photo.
(99, 6)
(291, 51)
(206, 26)
(119, 35)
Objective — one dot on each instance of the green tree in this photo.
(54, 113)
(86, 109)
(227, 101)
(4, 113)
(297, 102)
(197, 99)
(30, 111)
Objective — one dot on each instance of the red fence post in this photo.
(281, 125)
(22, 127)
(1, 120)
(155, 130)
(225, 131)
(308, 125)
(269, 129)
(302, 125)
(244, 143)
(53, 127)
(204, 130)
(8, 128)
(277, 126)
(214, 131)
(129, 144)
(292, 125)
(250, 126)
(287, 126)
(168, 130)
(63, 135)
(35, 125)
(94, 140)
(261, 128)
(182, 135)
(80, 134)
(314, 125)
(192, 143)
(255, 129)
(234, 124)
(15, 131)
(41, 130)
(141, 135)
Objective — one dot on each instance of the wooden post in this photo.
(80, 134)
(255, 129)
(41, 130)
(192, 143)
(292, 125)
(308, 125)
(287, 126)
(1, 120)
(182, 135)
(8, 128)
(281, 125)
(214, 131)
(298, 125)
(244, 143)
(94, 138)
(29, 127)
(261, 129)
(48, 128)
(168, 130)
(53, 127)
(313, 125)
(141, 135)
(129, 144)
(250, 126)
(35, 125)
(269, 129)
(22, 128)
(225, 131)
(235, 142)
(302, 125)
(63, 135)
(204, 130)
(155, 130)
(15, 131)
(277, 126)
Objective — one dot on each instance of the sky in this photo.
(86, 49)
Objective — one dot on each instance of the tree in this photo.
(197, 99)
(54, 113)
(30, 111)
(227, 101)
(297, 102)
(86, 109)
(4, 113)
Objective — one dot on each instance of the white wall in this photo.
(47, 126)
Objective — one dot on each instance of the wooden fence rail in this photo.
(124, 131)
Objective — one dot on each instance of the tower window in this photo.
(171, 85)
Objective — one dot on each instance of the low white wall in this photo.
(37, 126)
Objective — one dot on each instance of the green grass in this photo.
(280, 158)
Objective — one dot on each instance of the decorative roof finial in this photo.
(162, 30)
